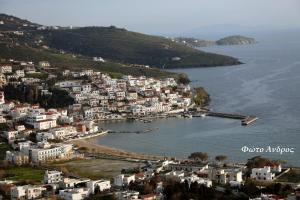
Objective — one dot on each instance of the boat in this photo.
(248, 120)
(188, 116)
(203, 115)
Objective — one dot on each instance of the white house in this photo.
(193, 178)
(68, 183)
(74, 193)
(42, 136)
(16, 157)
(52, 176)
(2, 119)
(20, 73)
(123, 179)
(6, 68)
(175, 174)
(102, 185)
(225, 176)
(262, 173)
(44, 64)
(27, 192)
(44, 124)
(86, 88)
(128, 195)
(10, 135)
(2, 99)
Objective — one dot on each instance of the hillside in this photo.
(235, 40)
(115, 44)
(67, 61)
(8, 23)
(131, 47)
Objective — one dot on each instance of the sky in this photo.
(159, 16)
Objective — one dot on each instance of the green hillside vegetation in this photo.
(117, 45)
(131, 47)
(14, 23)
(201, 97)
(67, 61)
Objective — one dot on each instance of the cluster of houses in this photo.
(36, 134)
(188, 171)
(104, 98)
(99, 96)
(96, 96)
(55, 183)
(12, 71)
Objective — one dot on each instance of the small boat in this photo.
(203, 115)
(188, 116)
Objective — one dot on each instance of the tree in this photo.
(220, 158)
(201, 97)
(2, 173)
(250, 189)
(83, 149)
(3, 127)
(183, 79)
(203, 156)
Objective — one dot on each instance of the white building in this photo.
(10, 135)
(44, 124)
(128, 195)
(74, 193)
(51, 152)
(225, 176)
(52, 176)
(69, 183)
(20, 73)
(44, 64)
(262, 173)
(27, 192)
(16, 158)
(123, 179)
(86, 88)
(2, 99)
(175, 174)
(102, 185)
(6, 68)
(44, 136)
(193, 178)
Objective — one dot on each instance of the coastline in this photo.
(113, 152)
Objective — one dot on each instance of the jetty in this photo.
(245, 119)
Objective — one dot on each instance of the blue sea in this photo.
(267, 86)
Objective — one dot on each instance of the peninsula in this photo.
(117, 46)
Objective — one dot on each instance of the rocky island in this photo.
(230, 40)
(235, 40)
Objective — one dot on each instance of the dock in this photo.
(245, 119)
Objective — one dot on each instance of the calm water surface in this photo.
(267, 86)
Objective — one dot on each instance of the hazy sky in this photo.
(158, 16)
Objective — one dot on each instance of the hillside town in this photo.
(38, 134)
